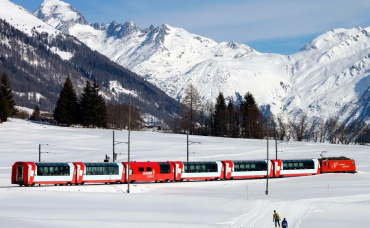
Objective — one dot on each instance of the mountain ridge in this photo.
(327, 78)
(37, 58)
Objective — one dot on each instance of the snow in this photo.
(116, 88)
(327, 78)
(63, 54)
(23, 20)
(328, 200)
(31, 96)
(58, 7)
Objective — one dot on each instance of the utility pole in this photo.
(116, 143)
(40, 151)
(113, 147)
(128, 144)
(276, 145)
(267, 176)
(187, 146)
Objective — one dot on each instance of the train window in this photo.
(141, 169)
(101, 169)
(298, 164)
(198, 167)
(148, 169)
(52, 169)
(165, 168)
(250, 166)
(186, 169)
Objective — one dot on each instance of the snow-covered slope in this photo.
(60, 15)
(331, 75)
(339, 200)
(37, 57)
(328, 77)
(24, 20)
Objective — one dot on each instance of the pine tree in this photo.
(86, 105)
(36, 115)
(8, 94)
(220, 116)
(4, 108)
(93, 106)
(66, 110)
(100, 107)
(231, 122)
(251, 117)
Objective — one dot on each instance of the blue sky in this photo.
(276, 26)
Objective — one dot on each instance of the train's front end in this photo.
(23, 173)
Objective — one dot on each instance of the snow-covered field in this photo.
(330, 200)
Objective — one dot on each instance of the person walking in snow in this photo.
(276, 219)
(284, 223)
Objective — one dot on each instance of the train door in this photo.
(228, 167)
(277, 164)
(19, 173)
(178, 170)
(325, 166)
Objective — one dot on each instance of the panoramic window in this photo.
(245, 166)
(298, 164)
(52, 169)
(101, 169)
(200, 167)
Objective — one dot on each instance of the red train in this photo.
(31, 173)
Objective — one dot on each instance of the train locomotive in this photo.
(79, 173)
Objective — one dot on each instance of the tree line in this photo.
(246, 120)
(91, 110)
(7, 103)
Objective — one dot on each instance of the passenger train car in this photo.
(79, 173)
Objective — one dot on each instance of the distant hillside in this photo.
(38, 57)
(329, 77)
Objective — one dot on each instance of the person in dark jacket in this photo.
(284, 223)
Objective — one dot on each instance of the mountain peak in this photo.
(59, 14)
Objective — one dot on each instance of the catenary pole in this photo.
(113, 146)
(39, 152)
(267, 176)
(187, 146)
(276, 145)
(128, 144)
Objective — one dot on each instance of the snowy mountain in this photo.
(60, 15)
(327, 78)
(37, 58)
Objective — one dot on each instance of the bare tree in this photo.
(300, 126)
(191, 107)
(311, 133)
(331, 127)
(322, 132)
(281, 126)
